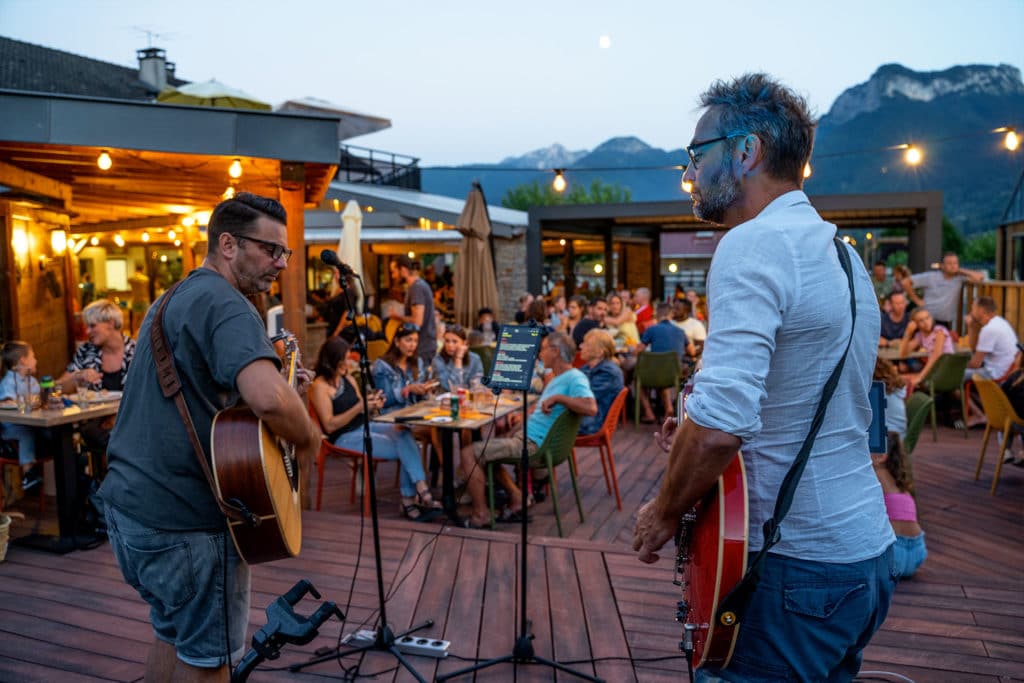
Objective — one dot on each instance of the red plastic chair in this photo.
(356, 460)
(602, 441)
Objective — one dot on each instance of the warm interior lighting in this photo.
(19, 242)
(912, 155)
(337, 205)
(177, 243)
(369, 209)
(672, 268)
(163, 258)
(1012, 140)
(118, 240)
(561, 242)
(687, 186)
(228, 193)
(59, 241)
(71, 243)
(188, 221)
(145, 236)
(868, 236)
(94, 240)
(235, 170)
(79, 245)
(559, 182)
(412, 254)
(202, 217)
(171, 234)
(104, 161)
(598, 268)
(807, 170)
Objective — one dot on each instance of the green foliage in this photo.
(981, 248)
(952, 240)
(522, 197)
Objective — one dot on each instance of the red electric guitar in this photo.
(711, 558)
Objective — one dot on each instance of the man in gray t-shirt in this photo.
(419, 305)
(941, 288)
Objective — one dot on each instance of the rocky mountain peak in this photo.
(555, 156)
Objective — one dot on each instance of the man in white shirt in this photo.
(826, 586)
(992, 339)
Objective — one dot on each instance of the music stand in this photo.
(385, 639)
(512, 369)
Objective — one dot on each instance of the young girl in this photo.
(19, 363)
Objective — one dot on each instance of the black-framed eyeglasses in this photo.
(695, 157)
(271, 249)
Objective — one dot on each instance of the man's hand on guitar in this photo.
(303, 378)
(652, 532)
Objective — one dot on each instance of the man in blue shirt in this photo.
(664, 336)
(568, 389)
(826, 586)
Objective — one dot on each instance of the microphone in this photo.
(330, 258)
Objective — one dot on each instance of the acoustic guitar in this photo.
(711, 558)
(258, 472)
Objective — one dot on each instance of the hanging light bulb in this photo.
(807, 170)
(598, 268)
(1012, 140)
(59, 241)
(561, 242)
(559, 182)
(235, 170)
(229, 193)
(171, 234)
(118, 240)
(94, 240)
(913, 155)
(672, 268)
(177, 243)
(104, 161)
(145, 236)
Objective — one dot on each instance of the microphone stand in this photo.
(385, 639)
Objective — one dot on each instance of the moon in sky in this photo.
(604, 42)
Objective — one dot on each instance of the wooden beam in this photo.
(293, 279)
(19, 178)
(130, 224)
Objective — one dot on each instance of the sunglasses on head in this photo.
(407, 328)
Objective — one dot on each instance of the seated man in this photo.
(596, 311)
(664, 336)
(992, 340)
(895, 320)
(568, 389)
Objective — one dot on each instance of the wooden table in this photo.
(425, 414)
(893, 355)
(64, 464)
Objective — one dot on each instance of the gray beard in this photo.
(721, 192)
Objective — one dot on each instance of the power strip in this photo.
(407, 645)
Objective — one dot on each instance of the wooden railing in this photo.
(1009, 298)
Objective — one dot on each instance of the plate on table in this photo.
(102, 396)
(441, 419)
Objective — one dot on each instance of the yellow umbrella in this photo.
(212, 93)
(475, 283)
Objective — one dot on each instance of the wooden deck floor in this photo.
(961, 618)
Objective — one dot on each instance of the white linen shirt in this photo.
(998, 342)
(779, 310)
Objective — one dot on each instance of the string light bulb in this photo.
(235, 170)
(559, 182)
(807, 170)
(177, 243)
(145, 236)
(913, 155)
(104, 161)
(171, 234)
(598, 268)
(672, 268)
(94, 240)
(561, 242)
(118, 240)
(1012, 140)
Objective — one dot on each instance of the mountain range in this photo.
(950, 114)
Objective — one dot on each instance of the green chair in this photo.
(946, 375)
(486, 354)
(654, 370)
(555, 450)
(919, 406)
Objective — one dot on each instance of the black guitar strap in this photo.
(734, 605)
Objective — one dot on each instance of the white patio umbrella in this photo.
(349, 250)
(212, 93)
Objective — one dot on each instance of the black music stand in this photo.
(512, 369)
(385, 639)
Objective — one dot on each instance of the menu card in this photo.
(514, 357)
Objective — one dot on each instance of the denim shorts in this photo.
(810, 621)
(181, 574)
(910, 552)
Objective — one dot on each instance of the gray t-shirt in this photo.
(153, 474)
(419, 294)
(941, 295)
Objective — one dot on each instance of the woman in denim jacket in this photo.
(399, 373)
(456, 364)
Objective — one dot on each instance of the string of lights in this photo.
(913, 155)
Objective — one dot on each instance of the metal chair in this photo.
(1001, 418)
(602, 440)
(654, 370)
(486, 354)
(946, 375)
(556, 449)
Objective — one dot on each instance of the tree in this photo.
(952, 241)
(981, 248)
(522, 197)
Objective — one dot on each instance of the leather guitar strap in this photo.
(732, 607)
(170, 385)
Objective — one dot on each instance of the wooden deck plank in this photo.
(602, 618)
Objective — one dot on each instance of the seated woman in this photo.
(924, 334)
(100, 363)
(399, 372)
(621, 322)
(603, 373)
(894, 475)
(455, 364)
(339, 407)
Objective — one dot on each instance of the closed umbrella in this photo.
(349, 250)
(475, 284)
(212, 93)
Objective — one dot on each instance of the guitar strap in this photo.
(734, 605)
(170, 385)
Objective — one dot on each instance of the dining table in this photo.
(893, 355)
(63, 422)
(436, 414)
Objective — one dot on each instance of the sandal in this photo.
(507, 516)
(412, 511)
(426, 501)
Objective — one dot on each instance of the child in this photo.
(18, 364)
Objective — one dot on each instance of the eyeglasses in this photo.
(695, 157)
(271, 249)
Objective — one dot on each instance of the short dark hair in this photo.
(681, 309)
(486, 310)
(986, 303)
(403, 261)
(663, 310)
(581, 301)
(758, 104)
(239, 214)
(12, 353)
(880, 263)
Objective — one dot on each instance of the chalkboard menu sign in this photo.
(514, 357)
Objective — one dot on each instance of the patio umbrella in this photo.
(475, 283)
(212, 93)
(349, 250)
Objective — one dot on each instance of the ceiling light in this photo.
(118, 240)
(177, 243)
(598, 268)
(672, 268)
(59, 241)
(235, 170)
(104, 161)
(561, 242)
(145, 236)
(171, 234)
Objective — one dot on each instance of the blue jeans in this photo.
(390, 443)
(810, 621)
(182, 574)
(909, 553)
